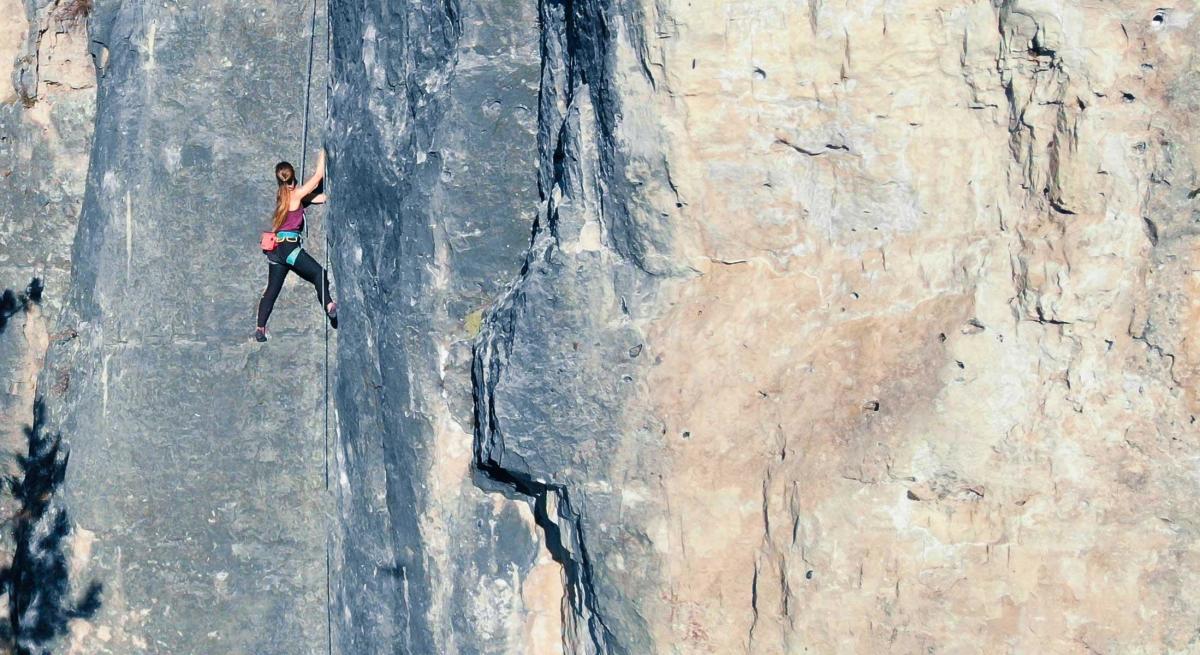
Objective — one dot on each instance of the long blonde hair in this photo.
(285, 177)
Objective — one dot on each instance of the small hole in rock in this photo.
(808, 575)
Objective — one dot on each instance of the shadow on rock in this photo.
(12, 303)
(37, 580)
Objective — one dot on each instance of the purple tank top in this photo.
(293, 221)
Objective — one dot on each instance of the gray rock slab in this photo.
(196, 482)
(434, 146)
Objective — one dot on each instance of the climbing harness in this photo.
(291, 258)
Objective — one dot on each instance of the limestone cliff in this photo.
(195, 481)
(46, 114)
(667, 327)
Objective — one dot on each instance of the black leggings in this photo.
(305, 266)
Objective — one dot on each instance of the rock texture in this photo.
(859, 329)
(46, 117)
(196, 477)
(45, 130)
(667, 327)
(433, 139)
(833, 308)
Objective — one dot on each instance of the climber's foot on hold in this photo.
(331, 312)
(260, 334)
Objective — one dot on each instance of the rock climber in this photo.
(283, 244)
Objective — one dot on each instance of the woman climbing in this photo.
(283, 245)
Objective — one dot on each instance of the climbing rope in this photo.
(312, 39)
(325, 268)
(325, 272)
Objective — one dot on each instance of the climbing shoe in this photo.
(260, 335)
(331, 312)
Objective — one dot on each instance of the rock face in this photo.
(433, 139)
(667, 327)
(835, 309)
(196, 477)
(46, 120)
(45, 130)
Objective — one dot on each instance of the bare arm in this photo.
(318, 199)
(311, 183)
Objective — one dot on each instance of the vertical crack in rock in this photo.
(589, 182)
(433, 145)
(390, 77)
(571, 57)
(1043, 133)
(561, 523)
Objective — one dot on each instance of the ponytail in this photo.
(285, 178)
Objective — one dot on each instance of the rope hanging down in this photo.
(325, 269)
(312, 38)
(325, 272)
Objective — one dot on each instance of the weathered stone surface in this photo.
(196, 481)
(667, 327)
(856, 329)
(44, 143)
(433, 143)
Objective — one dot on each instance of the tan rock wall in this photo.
(47, 98)
(931, 385)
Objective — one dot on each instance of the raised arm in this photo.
(311, 183)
